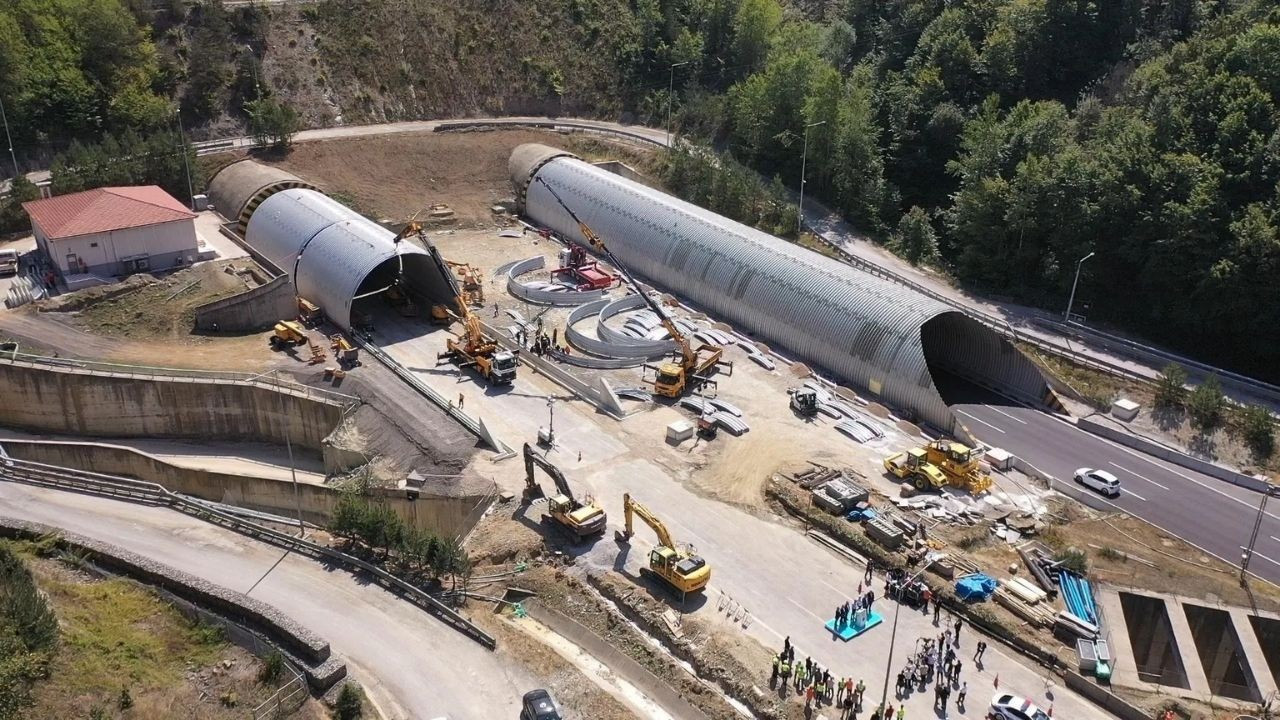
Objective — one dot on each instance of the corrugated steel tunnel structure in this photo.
(334, 255)
(881, 337)
(237, 189)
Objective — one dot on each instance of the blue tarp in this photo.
(975, 587)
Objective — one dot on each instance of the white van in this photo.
(1100, 480)
(8, 262)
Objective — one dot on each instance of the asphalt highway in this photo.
(1208, 512)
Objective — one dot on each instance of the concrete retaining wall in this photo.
(450, 515)
(322, 670)
(1165, 452)
(80, 402)
(254, 309)
(1104, 698)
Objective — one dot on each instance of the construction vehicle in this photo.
(585, 272)
(914, 465)
(287, 333)
(475, 349)
(680, 567)
(581, 519)
(471, 281)
(804, 401)
(343, 349)
(960, 463)
(690, 367)
(308, 312)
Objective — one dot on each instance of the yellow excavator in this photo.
(581, 519)
(475, 349)
(680, 567)
(689, 367)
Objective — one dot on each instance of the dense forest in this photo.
(998, 140)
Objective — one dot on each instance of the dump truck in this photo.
(913, 465)
(680, 567)
(578, 517)
(287, 333)
(960, 463)
(690, 367)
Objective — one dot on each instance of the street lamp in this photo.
(1246, 553)
(1071, 301)
(929, 559)
(804, 156)
(671, 84)
(8, 138)
(186, 161)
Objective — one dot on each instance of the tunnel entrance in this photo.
(424, 283)
(1155, 651)
(960, 353)
(1225, 666)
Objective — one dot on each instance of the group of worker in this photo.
(816, 684)
(935, 659)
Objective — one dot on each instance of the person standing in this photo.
(773, 675)
(902, 712)
(964, 690)
(867, 577)
(982, 648)
(937, 613)
(959, 624)
(955, 670)
(786, 644)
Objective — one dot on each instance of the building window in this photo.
(93, 244)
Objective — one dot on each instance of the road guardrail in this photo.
(62, 478)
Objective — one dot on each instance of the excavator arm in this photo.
(532, 458)
(631, 507)
(686, 350)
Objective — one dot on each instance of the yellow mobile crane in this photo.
(579, 518)
(681, 568)
(690, 366)
(475, 349)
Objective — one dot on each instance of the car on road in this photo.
(539, 705)
(1099, 480)
(1011, 707)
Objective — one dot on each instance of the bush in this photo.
(915, 239)
(1256, 427)
(1171, 393)
(271, 669)
(1205, 405)
(22, 605)
(350, 705)
(1073, 559)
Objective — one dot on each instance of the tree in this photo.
(753, 26)
(1171, 391)
(915, 239)
(12, 217)
(1205, 405)
(1257, 427)
(272, 122)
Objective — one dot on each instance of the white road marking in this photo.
(1127, 491)
(1011, 417)
(984, 422)
(806, 610)
(1125, 469)
(1273, 537)
(1258, 554)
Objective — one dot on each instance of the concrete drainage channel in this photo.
(120, 488)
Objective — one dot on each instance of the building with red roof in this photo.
(113, 231)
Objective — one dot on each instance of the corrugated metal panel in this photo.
(339, 258)
(865, 329)
(285, 222)
(236, 187)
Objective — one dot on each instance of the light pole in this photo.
(253, 65)
(671, 85)
(186, 161)
(1066, 317)
(288, 444)
(804, 157)
(9, 139)
(1246, 553)
(929, 559)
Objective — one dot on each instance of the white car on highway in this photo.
(1012, 707)
(1100, 480)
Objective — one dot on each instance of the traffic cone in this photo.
(997, 681)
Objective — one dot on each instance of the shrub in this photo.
(1073, 559)
(271, 668)
(350, 705)
(1205, 405)
(1171, 393)
(1258, 433)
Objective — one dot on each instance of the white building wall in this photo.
(167, 244)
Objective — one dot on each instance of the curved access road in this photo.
(411, 665)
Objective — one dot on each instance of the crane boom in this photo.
(631, 507)
(686, 350)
